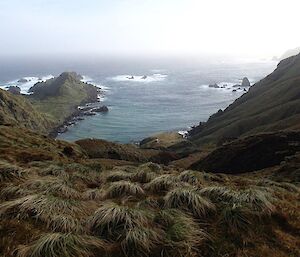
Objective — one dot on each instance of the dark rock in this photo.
(245, 82)
(214, 85)
(144, 77)
(100, 109)
(89, 113)
(22, 80)
(14, 90)
(234, 90)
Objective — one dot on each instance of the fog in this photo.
(150, 27)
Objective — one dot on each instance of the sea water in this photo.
(144, 96)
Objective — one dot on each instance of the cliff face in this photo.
(59, 97)
(272, 104)
(16, 110)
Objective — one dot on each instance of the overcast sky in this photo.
(251, 28)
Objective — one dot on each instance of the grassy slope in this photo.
(270, 105)
(56, 202)
(59, 97)
(16, 110)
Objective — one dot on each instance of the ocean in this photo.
(144, 95)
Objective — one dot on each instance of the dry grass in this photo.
(118, 176)
(183, 234)
(112, 221)
(189, 200)
(58, 245)
(162, 184)
(123, 189)
(9, 172)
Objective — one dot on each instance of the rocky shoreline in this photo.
(84, 110)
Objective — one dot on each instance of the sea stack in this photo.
(245, 82)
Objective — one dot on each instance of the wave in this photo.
(141, 79)
(26, 83)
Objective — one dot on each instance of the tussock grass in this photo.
(153, 167)
(257, 200)
(162, 184)
(279, 185)
(237, 219)
(123, 189)
(150, 202)
(53, 185)
(93, 194)
(182, 233)
(39, 206)
(58, 245)
(9, 172)
(118, 176)
(11, 191)
(143, 176)
(189, 200)
(64, 223)
(53, 170)
(189, 176)
(140, 241)
(112, 221)
(219, 194)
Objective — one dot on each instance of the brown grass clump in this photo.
(219, 194)
(162, 184)
(9, 172)
(123, 189)
(257, 200)
(183, 235)
(141, 241)
(189, 200)
(112, 221)
(58, 244)
(237, 219)
(190, 176)
(118, 176)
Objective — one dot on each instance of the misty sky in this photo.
(251, 28)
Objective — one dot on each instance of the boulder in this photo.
(245, 82)
(214, 85)
(100, 109)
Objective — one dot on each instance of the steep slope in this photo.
(16, 110)
(270, 105)
(55, 202)
(59, 97)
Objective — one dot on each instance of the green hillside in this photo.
(59, 97)
(272, 104)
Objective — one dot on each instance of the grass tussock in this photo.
(189, 200)
(58, 244)
(93, 194)
(9, 172)
(112, 221)
(218, 194)
(143, 176)
(141, 241)
(183, 234)
(236, 219)
(190, 176)
(162, 184)
(40, 207)
(118, 176)
(123, 189)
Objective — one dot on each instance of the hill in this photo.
(272, 104)
(290, 53)
(55, 200)
(18, 111)
(59, 97)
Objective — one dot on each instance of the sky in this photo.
(261, 28)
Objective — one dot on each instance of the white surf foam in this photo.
(25, 86)
(141, 79)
